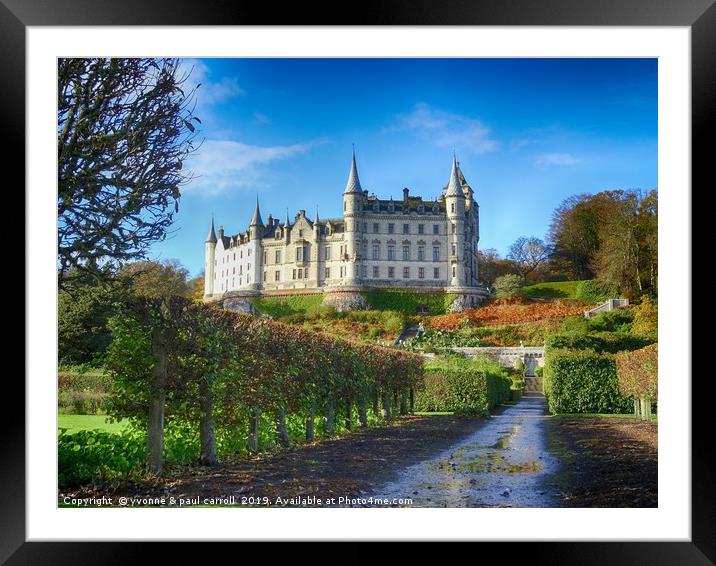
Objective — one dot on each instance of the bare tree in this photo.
(528, 254)
(124, 129)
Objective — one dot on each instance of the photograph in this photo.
(358, 282)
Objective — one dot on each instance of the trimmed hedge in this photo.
(468, 387)
(638, 372)
(609, 342)
(407, 302)
(583, 381)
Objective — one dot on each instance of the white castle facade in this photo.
(410, 244)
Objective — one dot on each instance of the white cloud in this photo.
(260, 118)
(210, 92)
(221, 166)
(446, 129)
(556, 159)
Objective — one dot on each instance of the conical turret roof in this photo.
(353, 184)
(454, 188)
(211, 237)
(256, 220)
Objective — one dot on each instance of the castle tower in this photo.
(472, 226)
(351, 210)
(455, 205)
(209, 256)
(255, 234)
(316, 248)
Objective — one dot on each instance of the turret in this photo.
(209, 257)
(255, 233)
(286, 228)
(352, 195)
(256, 221)
(455, 205)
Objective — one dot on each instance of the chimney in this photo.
(406, 190)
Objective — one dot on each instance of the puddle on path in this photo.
(503, 464)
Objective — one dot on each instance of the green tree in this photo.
(124, 130)
(153, 279)
(508, 286)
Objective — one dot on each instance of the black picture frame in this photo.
(699, 15)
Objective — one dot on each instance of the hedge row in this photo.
(601, 342)
(407, 302)
(217, 371)
(464, 387)
(638, 372)
(583, 381)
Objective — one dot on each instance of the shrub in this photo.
(575, 325)
(646, 319)
(638, 372)
(509, 285)
(611, 342)
(463, 386)
(81, 390)
(279, 307)
(594, 291)
(618, 320)
(407, 302)
(583, 382)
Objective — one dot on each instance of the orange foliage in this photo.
(502, 312)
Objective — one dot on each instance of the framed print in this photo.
(471, 356)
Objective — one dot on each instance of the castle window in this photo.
(406, 228)
(453, 272)
(248, 278)
(249, 252)
(453, 228)
(294, 274)
(391, 252)
(305, 273)
(233, 271)
(436, 253)
(376, 251)
(234, 256)
(391, 273)
(406, 253)
(452, 207)
(264, 277)
(363, 271)
(241, 269)
(300, 233)
(240, 281)
(328, 253)
(406, 272)
(391, 228)
(376, 272)
(277, 276)
(436, 273)
(421, 228)
(278, 256)
(299, 253)
(265, 257)
(421, 273)
(343, 270)
(376, 227)
(436, 229)
(421, 253)
(327, 273)
(454, 249)
(300, 273)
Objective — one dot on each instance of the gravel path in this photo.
(504, 463)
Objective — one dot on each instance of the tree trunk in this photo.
(254, 430)
(362, 412)
(385, 411)
(349, 414)
(310, 420)
(412, 401)
(207, 434)
(281, 430)
(155, 433)
(403, 403)
(376, 403)
(330, 416)
(647, 405)
(637, 411)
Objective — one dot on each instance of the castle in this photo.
(411, 244)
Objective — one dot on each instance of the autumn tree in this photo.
(154, 279)
(124, 129)
(528, 254)
(491, 265)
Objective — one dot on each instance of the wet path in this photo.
(503, 464)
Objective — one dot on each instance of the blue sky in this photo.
(528, 133)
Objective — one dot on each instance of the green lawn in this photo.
(75, 423)
(553, 290)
